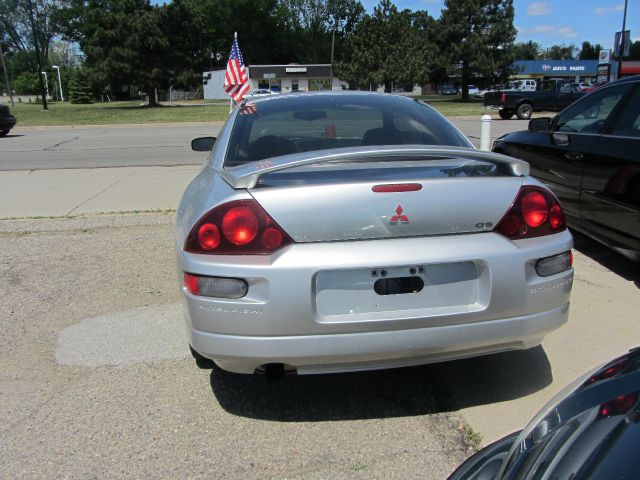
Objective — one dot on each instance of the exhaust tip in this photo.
(275, 371)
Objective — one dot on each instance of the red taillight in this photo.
(191, 283)
(534, 213)
(619, 405)
(535, 210)
(272, 238)
(610, 371)
(556, 218)
(241, 227)
(504, 98)
(209, 236)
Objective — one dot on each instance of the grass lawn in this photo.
(31, 114)
(453, 106)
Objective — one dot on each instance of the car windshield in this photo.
(303, 123)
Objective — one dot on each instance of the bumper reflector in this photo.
(556, 264)
(215, 286)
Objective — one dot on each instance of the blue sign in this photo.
(554, 68)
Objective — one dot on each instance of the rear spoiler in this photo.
(247, 176)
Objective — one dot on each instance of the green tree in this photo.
(124, 42)
(526, 50)
(634, 51)
(589, 51)
(476, 36)
(388, 47)
(27, 83)
(79, 90)
(343, 16)
(315, 23)
(561, 52)
(15, 27)
(201, 32)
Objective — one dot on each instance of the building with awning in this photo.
(295, 78)
(574, 70)
(630, 68)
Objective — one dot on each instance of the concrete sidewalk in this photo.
(65, 192)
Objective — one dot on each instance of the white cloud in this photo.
(538, 8)
(608, 10)
(543, 29)
(431, 2)
(567, 32)
(556, 30)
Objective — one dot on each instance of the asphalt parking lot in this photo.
(97, 380)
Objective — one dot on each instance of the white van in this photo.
(525, 85)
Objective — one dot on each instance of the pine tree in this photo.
(476, 36)
(389, 47)
(79, 89)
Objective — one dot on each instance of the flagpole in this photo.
(235, 38)
(236, 82)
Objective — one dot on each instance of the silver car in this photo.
(332, 232)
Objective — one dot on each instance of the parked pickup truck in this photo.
(550, 95)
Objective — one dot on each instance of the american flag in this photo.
(248, 108)
(236, 80)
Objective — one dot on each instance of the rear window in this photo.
(303, 123)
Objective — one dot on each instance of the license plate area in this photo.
(398, 286)
(378, 293)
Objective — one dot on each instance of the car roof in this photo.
(632, 78)
(328, 93)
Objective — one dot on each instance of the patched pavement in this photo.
(97, 380)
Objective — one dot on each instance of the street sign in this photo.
(603, 73)
(626, 43)
(604, 56)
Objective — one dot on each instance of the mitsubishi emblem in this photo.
(399, 216)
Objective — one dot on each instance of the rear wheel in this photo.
(505, 114)
(524, 111)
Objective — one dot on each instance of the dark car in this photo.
(590, 430)
(448, 90)
(588, 155)
(7, 121)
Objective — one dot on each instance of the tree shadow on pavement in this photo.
(607, 257)
(383, 394)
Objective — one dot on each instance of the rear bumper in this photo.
(299, 310)
(373, 350)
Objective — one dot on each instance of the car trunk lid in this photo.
(335, 201)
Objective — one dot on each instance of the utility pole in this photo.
(621, 47)
(34, 31)
(6, 76)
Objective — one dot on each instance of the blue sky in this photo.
(556, 21)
